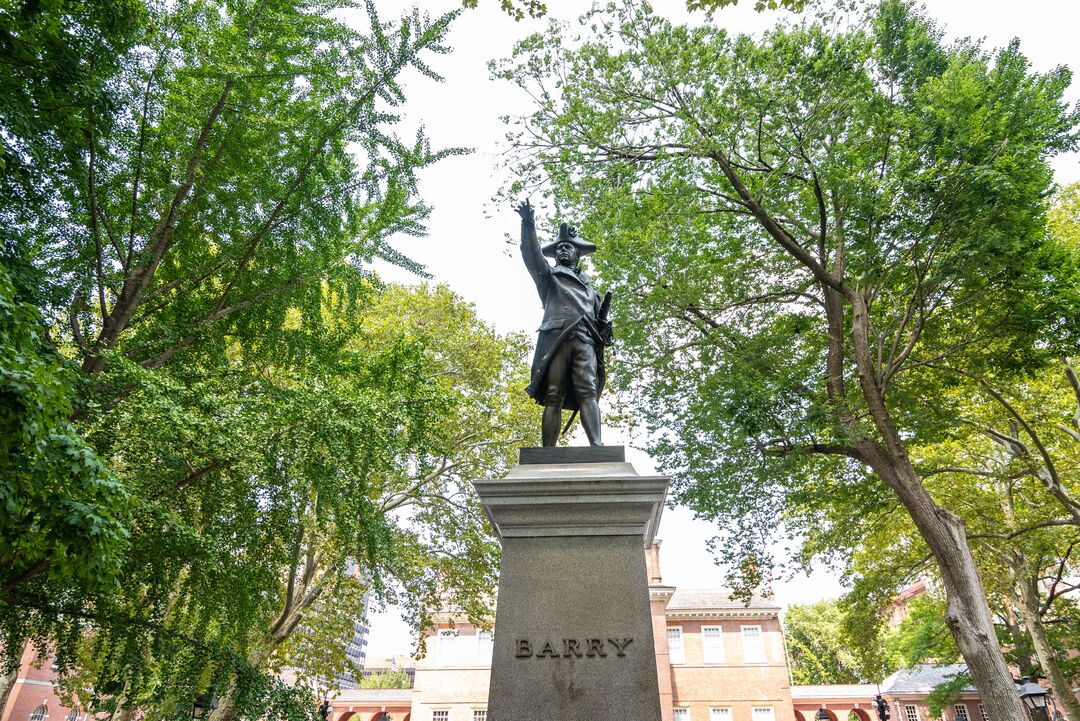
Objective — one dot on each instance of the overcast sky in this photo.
(466, 245)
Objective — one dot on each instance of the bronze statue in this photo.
(568, 366)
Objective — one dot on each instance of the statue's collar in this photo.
(575, 273)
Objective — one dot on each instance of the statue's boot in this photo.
(549, 426)
(590, 421)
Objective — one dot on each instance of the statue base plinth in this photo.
(573, 630)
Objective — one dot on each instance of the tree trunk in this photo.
(945, 533)
(260, 654)
(1021, 641)
(8, 675)
(1030, 610)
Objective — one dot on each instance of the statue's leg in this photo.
(586, 381)
(551, 423)
(590, 421)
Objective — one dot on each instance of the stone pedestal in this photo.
(573, 631)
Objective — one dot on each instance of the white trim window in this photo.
(479, 714)
(448, 645)
(762, 713)
(960, 712)
(484, 647)
(40, 713)
(440, 714)
(680, 714)
(722, 713)
(712, 644)
(982, 713)
(753, 643)
(73, 715)
(676, 650)
(911, 712)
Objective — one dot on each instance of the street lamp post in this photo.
(324, 709)
(882, 708)
(1034, 697)
(204, 704)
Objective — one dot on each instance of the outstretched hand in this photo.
(524, 209)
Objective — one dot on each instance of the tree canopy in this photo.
(817, 650)
(219, 416)
(815, 235)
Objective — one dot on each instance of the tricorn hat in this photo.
(568, 233)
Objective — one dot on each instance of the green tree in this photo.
(518, 9)
(389, 679)
(1007, 469)
(61, 508)
(340, 471)
(816, 645)
(814, 235)
(923, 636)
(186, 289)
(59, 57)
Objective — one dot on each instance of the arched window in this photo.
(73, 715)
(40, 713)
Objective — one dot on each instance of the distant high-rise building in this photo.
(356, 648)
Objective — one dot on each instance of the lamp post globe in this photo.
(204, 704)
(1034, 697)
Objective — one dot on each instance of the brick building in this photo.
(33, 695)
(717, 660)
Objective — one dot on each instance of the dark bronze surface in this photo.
(568, 366)
(572, 454)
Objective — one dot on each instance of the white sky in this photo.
(466, 245)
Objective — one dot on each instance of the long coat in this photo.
(571, 307)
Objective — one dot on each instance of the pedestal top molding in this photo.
(584, 492)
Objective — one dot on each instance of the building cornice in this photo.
(705, 614)
(660, 593)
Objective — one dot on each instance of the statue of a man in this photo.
(568, 366)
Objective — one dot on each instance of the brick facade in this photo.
(717, 660)
(34, 688)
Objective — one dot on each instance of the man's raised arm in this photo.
(530, 246)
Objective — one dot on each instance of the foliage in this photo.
(759, 5)
(340, 473)
(518, 9)
(273, 699)
(59, 56)
(922, 636)
(62, 512)
(946, 694)
(532, 8)
(816, 236)
(1064, 216)
(60, 508)
(816, 647)
(251, 411)
(389, 679)
(710, 295)
(849, 641)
